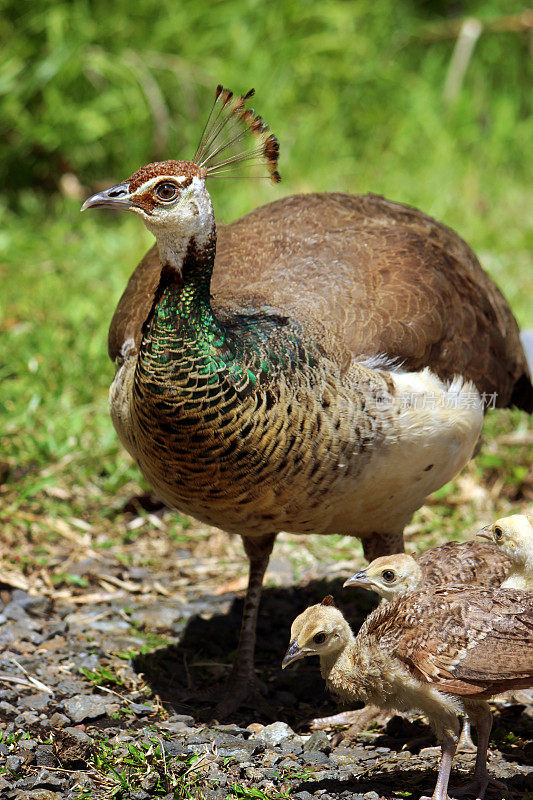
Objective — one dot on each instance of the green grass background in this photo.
(354, 92)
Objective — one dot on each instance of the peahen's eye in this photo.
(318, 638)
(166, 190)
(498, 533)
(388, 575)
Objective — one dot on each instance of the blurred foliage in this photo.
(97, 89)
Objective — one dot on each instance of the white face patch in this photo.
(175, 223)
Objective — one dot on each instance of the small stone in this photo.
(240, 756)
(72, 745)
(270, 758)
(371, 796)
(294, 746)
(58, 720)
(186, 719)
(28, 744)
(44, 756)
(303, 796)
(149, 781)
(141, 708)
(175, 750)
(7, 709)
(39, 794)
(86, 706)
(275, 733)
(35, 702)
(14, 763)
(429, 752)
(318, 741)
(233, 730)
(317, 758)
(47, 780)
(157, 617)
(26, 719)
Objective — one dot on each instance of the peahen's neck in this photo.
(187, 269)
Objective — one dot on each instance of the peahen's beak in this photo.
(359, 579)
(293, 654)
(485, 533)
(116, 197)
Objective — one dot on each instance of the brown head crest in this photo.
(228, 123)
(328, 601)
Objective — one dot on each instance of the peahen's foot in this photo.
(242, 690)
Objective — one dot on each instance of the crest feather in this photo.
(230, 122)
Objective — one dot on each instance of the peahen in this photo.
(329, 377)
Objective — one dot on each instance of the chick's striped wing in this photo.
(472, 563)
(469, 641)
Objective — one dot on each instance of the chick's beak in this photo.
(359, 579)
(485, 533)
(293, 653)
(116, 197)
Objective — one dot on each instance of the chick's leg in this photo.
(242, 683)
(481, 717)
(466, 745)
(440, 792)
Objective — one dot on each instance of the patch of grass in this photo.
(102, 676)
(253, 793)
(145, 765)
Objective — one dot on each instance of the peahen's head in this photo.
(172, 199)
(171, 196)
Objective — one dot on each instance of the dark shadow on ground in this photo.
(206, 648)
(411, 783)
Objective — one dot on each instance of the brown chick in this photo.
(442, 651)
(513, 536)
(469, 563)
(472, 563)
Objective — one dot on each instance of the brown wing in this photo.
(366, 277)
(471, 563)
(468, 641)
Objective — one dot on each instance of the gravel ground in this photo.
(95, 702)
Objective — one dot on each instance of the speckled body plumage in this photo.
(279, 446)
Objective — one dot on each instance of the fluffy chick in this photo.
(514, 537)
(441, 651)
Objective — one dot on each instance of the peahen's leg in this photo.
(383, 544)
(242, 684)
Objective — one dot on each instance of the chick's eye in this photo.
(166, 191)
(318, 638)
(498, 533)
(388, 575)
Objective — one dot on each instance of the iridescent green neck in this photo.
(185, 293)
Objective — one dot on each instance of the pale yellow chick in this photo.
(514, 536)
